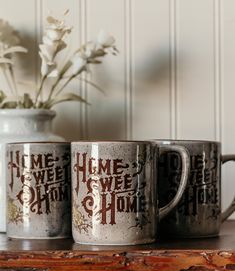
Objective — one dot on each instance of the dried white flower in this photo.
(78, 64)
(91, 52)
(5, 54)
(8, 35)
(104, 39)
(48, 68)
(8, 41)
(90, 49)
(47, 51)
(4, 60)
(53, 42)
(54, 34)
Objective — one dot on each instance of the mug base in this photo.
(116, 244)
(37, 238)
(176, 236)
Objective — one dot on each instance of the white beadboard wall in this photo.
(173, 78)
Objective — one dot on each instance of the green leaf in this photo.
(64, 98)
(2, 96)
(16, 101)
(9, 105)
(4, 60)
(27, 101)
(65, 68)
(99, 53)
(12, 98)
(15, 49)
(92, 84)
(40, 105)
(10, 102)
(94, 61)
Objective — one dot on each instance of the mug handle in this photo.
(231, 208)
(183, 180)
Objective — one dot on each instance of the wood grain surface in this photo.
(168, 260)
(215, 254)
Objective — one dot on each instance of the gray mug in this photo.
(198, 214)
(38, 190)
(114, 199)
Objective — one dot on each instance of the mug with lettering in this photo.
(38, 190)
(198, 214)
(114, 199)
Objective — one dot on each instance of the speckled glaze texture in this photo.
(113, 193)
(21, 125)
(38, 190)
(198, 214)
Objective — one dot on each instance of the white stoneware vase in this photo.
(21, 125)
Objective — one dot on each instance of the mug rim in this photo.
(188, 141)
(111, 142)
(39, 142)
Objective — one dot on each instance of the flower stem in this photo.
(65, 84)
(63, 71)
(40, 89)
(12, 75)
(54, 86)
(7, 80)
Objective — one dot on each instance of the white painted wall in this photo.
(173, 78)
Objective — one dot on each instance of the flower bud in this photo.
(54, 34)
(78, 64)
(105, 39)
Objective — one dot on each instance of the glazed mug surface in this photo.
(38, 190)
(198, 214)
(114, 198)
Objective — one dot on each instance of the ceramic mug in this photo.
(114, 199)
(38, 190)
(198, 214)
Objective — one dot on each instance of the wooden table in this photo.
(215, 254)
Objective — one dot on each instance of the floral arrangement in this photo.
(53, 43)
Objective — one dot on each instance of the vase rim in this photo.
(27, 112)
(39, 143)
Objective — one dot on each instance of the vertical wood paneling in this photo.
(106, 115)
(174, 75)
(83, 86)
(228, 96)
(68, 121)
(14, 13)
(195, 69)
(38, 33)
(217, 69)
(128, 25)
(151, 69)
(173, 68)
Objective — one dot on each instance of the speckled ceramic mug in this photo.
(38, 190)
(198, 214)
(114, 199)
